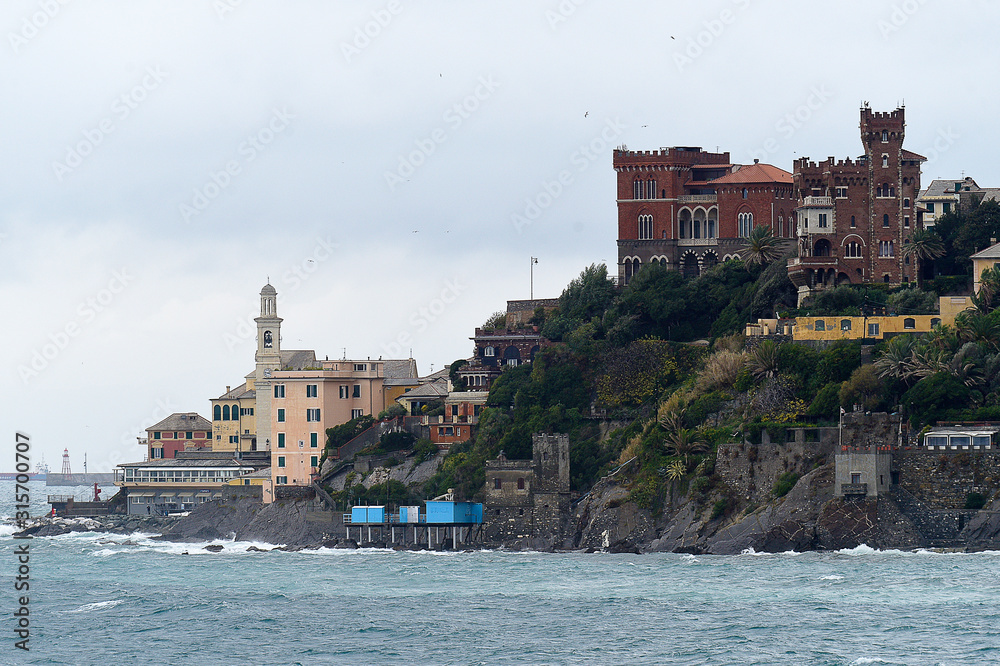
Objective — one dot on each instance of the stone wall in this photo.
(239, 492)
(750, 470)
(943, 479)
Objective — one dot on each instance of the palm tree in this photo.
(987, 298)
(922, 245)
(762, 247)
(684, 442)
(895, 361)
(763, 360)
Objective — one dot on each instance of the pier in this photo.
(375, 524)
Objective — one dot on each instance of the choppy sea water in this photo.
(101, 599)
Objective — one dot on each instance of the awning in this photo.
(163, 495)
(216, 495)
(185, 494)
(141, 494)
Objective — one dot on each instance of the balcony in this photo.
(853, 489)
(688, 242)
(826, 202)
(696, 198)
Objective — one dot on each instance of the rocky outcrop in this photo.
(293, 523)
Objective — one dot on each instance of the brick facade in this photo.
(854, 216)
(683, 207)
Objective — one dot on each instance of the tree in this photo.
(496, 320)
(987, 299)
(589, 295)
(895, 361)
(864, 388)
(762, 247)
(922, 246)
(762, 360)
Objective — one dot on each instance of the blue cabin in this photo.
(368, 514)
(454, 512)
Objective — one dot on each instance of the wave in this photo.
(99, 605)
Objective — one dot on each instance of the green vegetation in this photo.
(975, 501)
(784, 484)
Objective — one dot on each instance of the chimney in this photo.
(756, 160)
(227, 388)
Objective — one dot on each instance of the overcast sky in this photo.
(390, 166)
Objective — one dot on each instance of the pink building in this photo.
(304, 403)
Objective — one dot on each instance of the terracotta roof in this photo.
(910, 155)
(755, 173)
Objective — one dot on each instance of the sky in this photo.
(390, 167)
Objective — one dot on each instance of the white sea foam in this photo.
(100, 605)
(832, 577)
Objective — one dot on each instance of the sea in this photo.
(127, 599)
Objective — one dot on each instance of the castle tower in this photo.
(268, 358)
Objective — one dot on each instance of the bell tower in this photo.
(268, 358)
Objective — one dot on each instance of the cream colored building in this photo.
(988, 258)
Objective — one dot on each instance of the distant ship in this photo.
(40, 474)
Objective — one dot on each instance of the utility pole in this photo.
(531, 269)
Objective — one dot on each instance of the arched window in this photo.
(845, 324)
(853, 222)
(645, 227)
(268, 340)
(909, 322)
(744, 193)
(217, 413)
(935, 322)
(744, 223)
(235, 412)
(885, 136)
(852, 250)
(885, 220)
(885, 161)
(684, 223)
(225, 412)
(820, 325)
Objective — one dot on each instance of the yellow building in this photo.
(988, 258)
(234, 422)
(260, 478)
(831, 328)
